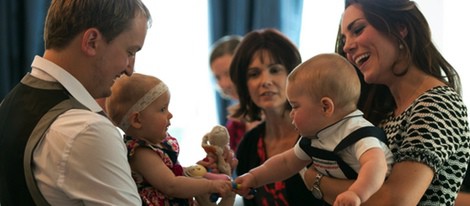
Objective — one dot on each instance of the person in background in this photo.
(139, 107)
(81, 158)
(419, 105)
(219, 60)
(323, 93)
(259, 70)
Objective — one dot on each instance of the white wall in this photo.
(448, 21)
(176, 51)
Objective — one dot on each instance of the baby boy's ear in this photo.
(328, 106)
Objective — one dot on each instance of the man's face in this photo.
(118, 57)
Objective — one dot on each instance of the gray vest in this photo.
(25, 114)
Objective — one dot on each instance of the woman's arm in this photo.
(405, 186)
(463, 199)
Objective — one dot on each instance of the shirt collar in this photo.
(48, 71)
(333, 128)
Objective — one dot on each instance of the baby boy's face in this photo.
(306, 114)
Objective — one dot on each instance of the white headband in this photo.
(143, 103)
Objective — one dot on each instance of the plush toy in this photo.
(199, 171)
(195, 171)
(216, 145)
(216, 165)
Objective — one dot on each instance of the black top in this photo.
(295, 192)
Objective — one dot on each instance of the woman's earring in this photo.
(400, 46)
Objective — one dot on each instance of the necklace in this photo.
(409, 100)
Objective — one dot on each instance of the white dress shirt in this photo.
(82, 160)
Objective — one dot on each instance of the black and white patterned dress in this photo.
(433, 131)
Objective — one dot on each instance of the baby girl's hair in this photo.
(132, 94)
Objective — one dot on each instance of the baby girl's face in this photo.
(155, 119)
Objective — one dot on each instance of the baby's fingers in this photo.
(224, 188)
(246, 192)
(347, 198)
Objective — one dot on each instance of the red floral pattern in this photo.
(168, 151)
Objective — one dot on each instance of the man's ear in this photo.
(134, 120)
(90, 41)
(328, 107)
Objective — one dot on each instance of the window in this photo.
(321, 19)
(445, 19)
(320, 23)
(177, 49)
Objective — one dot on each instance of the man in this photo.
(81, 159)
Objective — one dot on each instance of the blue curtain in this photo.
(21, 38)
(242, 16)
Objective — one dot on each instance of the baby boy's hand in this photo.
(244, 184)
(347, 198)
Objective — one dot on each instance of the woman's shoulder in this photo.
(444, 94)
(438, 104)
(441, 98)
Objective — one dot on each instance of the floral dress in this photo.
(168, 151)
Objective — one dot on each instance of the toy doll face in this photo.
(196, 171)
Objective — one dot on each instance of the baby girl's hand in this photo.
(221, 187)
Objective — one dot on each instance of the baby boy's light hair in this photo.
(328, 75)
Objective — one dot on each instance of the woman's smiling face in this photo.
(373, 52)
